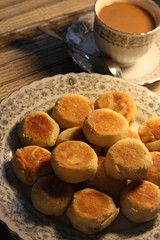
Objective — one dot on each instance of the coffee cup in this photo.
(126, 44)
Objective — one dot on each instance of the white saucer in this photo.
(145, 71)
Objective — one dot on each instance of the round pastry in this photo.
(38, 128)
(131, 134)
(74, 133)
(128, 159)
(140, 201)
(104, 127)
(91, 211)
(102, 181)
(149, 132)
(70, 110)
(153, 174)
(51, 196)
(31, 162)
(120, 102)
(74, 161)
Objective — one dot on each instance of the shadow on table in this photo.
(45, 56)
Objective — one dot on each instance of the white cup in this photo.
(125, 48)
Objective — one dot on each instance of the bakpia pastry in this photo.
(120, 102)
(149, 132)
(70, 110)
(131, 134)
(91, 211)
(153, 174)
(74, 133)
(74, 161)
(51, 196)
(140, 201)
(31, 162)
(102, 181)
(104, 127)
(128, 159)
(38, 128)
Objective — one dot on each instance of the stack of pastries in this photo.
(85, 161)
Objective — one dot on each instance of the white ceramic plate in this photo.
(15, 205)
(145, 71)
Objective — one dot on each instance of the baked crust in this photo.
(153, 174)
(74, 161)
(74, 133)
(102, 181)
(51, 196)
(104, 127)
(149, 132)
(91, 211)
(38, 128)
(70, 110)
(120, 102)
(128, 159)
(140, 201)
(31, 162)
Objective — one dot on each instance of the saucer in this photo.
(145, 71)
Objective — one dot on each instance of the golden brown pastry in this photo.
(131, 134)
(102, 181)
(149, 132)
(31, 162)
(74, 161)
(38, 128)
(104, 127)
(74, 133)
(51, 196)
(91, 211)
(120, 102)
(128, 159)
(70, 110)
(153, 174)
(140, 201)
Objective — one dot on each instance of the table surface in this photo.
(27, 55)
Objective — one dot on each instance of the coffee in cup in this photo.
(125, 29)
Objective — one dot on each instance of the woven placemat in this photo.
(23, 62)
(20, 19)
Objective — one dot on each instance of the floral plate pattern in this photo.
(15, 205)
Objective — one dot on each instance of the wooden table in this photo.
(26, 54)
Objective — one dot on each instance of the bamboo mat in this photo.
(19, 18)
(23, 62)
(26, 54)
